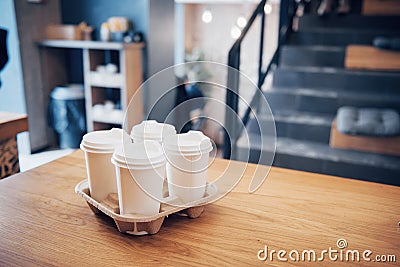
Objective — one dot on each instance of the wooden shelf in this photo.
(127, 57)
(115, 80)
(104, 119)
(98, 120)
(89, 44)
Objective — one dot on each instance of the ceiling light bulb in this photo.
(267, 8)
(235, 32)
(207, 16)
(241, 21)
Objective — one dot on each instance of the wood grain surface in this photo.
(381, 145)
(44, 223)
(11, 124)
(371, 58)
(381, 7)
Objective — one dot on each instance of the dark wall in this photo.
(160, 50)
(31, 20)
(95, 12)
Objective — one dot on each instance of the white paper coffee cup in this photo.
(151, 130)
(140, 171)
(99, 147)
(187, 163)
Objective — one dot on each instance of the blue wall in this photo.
(155, 19)
(95, 12)
(12, 97)
(12, 94)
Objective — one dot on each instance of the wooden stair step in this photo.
(371, 58)
(381, 145)
(381, 7)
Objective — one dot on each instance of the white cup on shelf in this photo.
(99, 147)
(140, 172)
(187, 163)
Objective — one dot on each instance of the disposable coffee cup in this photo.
(99, 147)
(187, 163)
(151, 130)
(140, 171)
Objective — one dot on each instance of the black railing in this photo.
(233, 126)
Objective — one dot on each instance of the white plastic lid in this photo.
(190, 143)
(152, 130)
(102, 141)
(145, 155)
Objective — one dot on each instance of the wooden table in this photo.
(10, 125)
(43, 222)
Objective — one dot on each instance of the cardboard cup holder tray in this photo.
(138, 224)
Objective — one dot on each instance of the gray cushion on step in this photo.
(368, 121)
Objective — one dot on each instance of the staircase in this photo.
(309, 86)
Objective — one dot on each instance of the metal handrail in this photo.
(232, 125)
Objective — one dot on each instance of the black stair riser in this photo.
(350, 21)
(337, 79)
(360, 172)
(302, 103)
(329, 105)
(303, 56)
(342, 169)
(316, 133)
(336, 38)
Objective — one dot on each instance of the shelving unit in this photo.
(125, 83)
